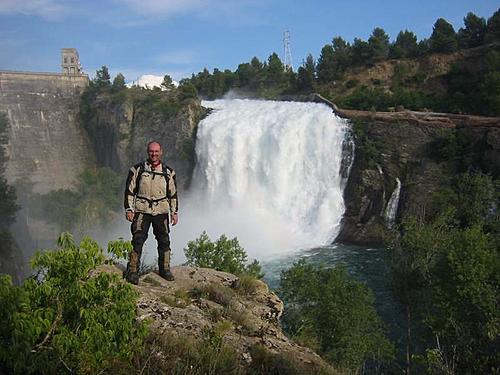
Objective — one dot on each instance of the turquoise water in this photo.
(366, 264)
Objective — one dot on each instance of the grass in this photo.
(180, 299)
(247, 285)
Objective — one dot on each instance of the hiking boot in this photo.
(167, 275)
(133, 278)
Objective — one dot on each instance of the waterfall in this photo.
(269, 173)
(392, 206)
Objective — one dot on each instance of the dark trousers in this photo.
(140, 228)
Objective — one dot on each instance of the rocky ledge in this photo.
(243, 312)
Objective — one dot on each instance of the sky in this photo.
(181, 37)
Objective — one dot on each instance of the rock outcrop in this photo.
(392, 145)
(200, 299)
(120, 131)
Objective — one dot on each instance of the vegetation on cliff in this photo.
(8, 199)
(94, 201)
(447, 72)
(335, 316)
(445, 270)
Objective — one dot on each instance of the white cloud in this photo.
(49, 9)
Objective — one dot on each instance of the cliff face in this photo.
(119, 133)
(47, 149)
(392, 145)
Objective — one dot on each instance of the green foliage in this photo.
(404, 46)
(306, 75)
(361, 52)
(119, 249)
(379, 44)
(337, 311)
(102, 78)
(167, 83)
(94, 201)
(445, 275)
(223, 255)
(326, 64)
(474, 32)
(119, 82)
(68, 318)
(443, 38)
(493, 28)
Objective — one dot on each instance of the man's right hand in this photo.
(129, 215)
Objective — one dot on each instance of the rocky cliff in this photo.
(391, 145)
(203, 304)
(119, 130)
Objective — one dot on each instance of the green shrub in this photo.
(68, 318)
(337, 311)
(223, 255)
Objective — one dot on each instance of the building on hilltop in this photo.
(70, 61)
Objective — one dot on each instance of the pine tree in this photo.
(443, 38)
(326, 64)
(119, 82)
(472, 35)
(405, 45)
(379, 44)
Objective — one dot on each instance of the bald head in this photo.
(154, 152)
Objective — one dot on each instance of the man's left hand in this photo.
(174, 219)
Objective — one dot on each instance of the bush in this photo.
(338, 313)
(224, 255)
(68, 318)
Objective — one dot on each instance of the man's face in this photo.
(154, 152)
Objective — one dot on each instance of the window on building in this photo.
(72, 60)
(65, 60)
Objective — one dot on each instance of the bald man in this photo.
(150, 198)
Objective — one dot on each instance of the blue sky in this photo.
(180, 37)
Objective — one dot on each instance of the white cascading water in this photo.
(268, 173)
(392, 205)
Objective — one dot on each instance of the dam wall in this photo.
(47, 149)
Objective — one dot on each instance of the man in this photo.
(150, 197)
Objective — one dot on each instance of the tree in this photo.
(167, 83)
(187, 90)
(443, 38)
(493, 28)
(102, 78)
(404, 46)
(472, 35)
(326, 68)
(362, 54)
(337, 312)
(119, 82)
(306, 75)
(379, 44)
(223, 255)
(68, 318)
(275, 70)
(342, 53)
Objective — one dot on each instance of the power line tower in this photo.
(287, 53)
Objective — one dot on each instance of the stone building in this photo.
(70, 61)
